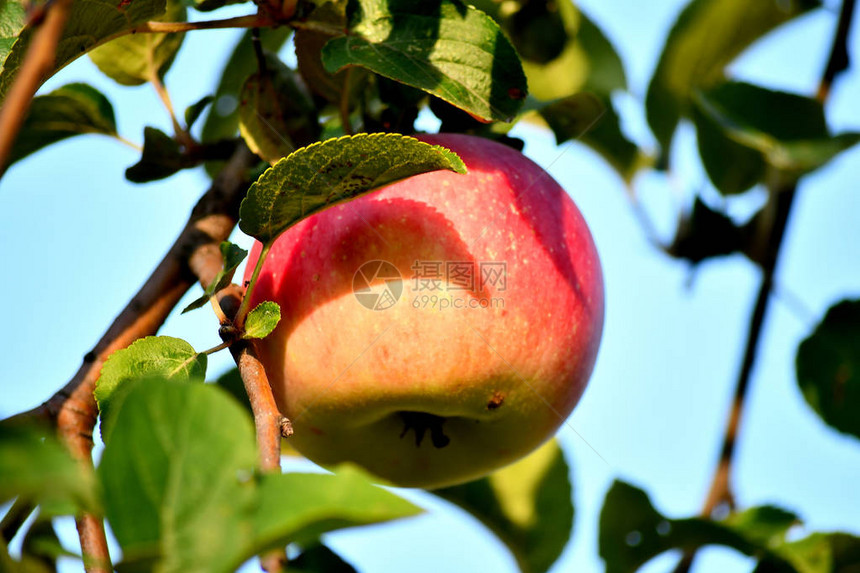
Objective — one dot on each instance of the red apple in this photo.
(439, 328)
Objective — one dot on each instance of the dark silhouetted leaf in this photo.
(326, 173)
(319, 559)
(528, 505)
(828, 367)
(137, 59)
(161, 158)
(74, 109)
(705, 233)
(706, 37)
(744, 128)
(452, 51)
(193, 111)
(632, 532)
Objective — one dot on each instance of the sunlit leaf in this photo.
(445, 48)
(89, 23)
(148, 357)
(326, 173)
(262, 320)
(177, 477)
(137, 59)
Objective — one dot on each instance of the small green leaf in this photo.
(193, 111)
(89, 23)
(262, 320)
(145, 358)
(232, 255)
(319, 559)
(828, 367)
(139, 58)
(528, 505)
(162, 157)
(74, 109)
(275, 112)
(326, 173)
(177, 476)
(37, 468)
(445, 48)
(707, 36)
(301, 507)
(632, 532)
(222, 122)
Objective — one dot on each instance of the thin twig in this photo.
(781, 201)
(249, 21)
(37, 64)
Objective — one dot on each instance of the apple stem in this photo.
(244, 308)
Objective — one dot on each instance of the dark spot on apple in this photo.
(496, 400)
(420, 423)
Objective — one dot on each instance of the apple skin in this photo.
(482, 386)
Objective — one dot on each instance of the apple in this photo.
(436, 329)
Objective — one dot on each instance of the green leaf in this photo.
(301, 507)
(262, 320)
(819, 553)
(148, 357)
(161, 158)
(232, 255)
(74, 109)
(193, 111)
(632, 532)
(828, 367)
(222, 122)
(587, 61)
(707, 36)
(276, 113)
(452, 51)
(37, 468)
(319, 559)
(137, 59)
(89, 24)
(177, 477)
(528, 505)
(744, 128)
(326, 173)
(13, 16)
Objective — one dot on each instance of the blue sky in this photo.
(79, 240)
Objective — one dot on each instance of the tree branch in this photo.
(195, 254)
(37, 64)
(780, 203)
